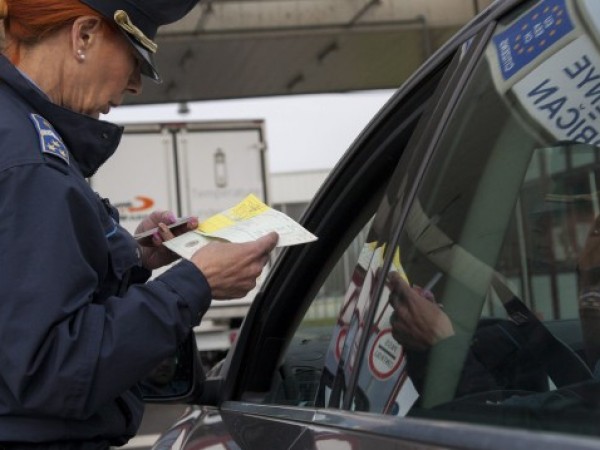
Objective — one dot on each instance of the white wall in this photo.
(295, 187)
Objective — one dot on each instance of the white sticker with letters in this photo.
(563, 93)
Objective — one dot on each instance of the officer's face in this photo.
(111, 69)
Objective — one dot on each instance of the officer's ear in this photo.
(85, 32)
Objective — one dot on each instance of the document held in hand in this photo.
(247, 221)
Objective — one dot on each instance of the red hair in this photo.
(29, 21)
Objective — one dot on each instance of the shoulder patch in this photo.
(50, 142)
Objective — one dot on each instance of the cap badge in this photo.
(122, 19)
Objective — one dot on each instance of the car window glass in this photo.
(329, 328)
(347, 340)
(490, 313)
(298, 377)
(342, 354)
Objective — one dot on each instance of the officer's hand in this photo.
(154, 254)
(417, 322)
(232, 269)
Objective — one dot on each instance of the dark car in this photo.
(465, 223)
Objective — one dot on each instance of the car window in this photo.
(325, 329)
(489, 311)
(357, 311)
(299, 375)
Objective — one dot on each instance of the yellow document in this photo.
(247, 221)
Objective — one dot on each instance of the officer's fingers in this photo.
(192, 223)
(258, 250)
(267, 243)
(155, 217)
(264, 260)
(164, 233)
(253, 270)
(167, 217)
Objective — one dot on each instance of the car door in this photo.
(469, 192)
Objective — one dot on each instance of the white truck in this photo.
(192, 169)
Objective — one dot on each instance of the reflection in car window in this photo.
(312, 372)
(347, 340)
(342, 355)
(299, 375)
(491, 314)
(385, 359)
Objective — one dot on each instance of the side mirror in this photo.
(177, 379)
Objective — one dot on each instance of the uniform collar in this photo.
(90, 141)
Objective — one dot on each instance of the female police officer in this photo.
(79, 323)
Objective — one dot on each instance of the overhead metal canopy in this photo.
(247, 48)
(226, 49)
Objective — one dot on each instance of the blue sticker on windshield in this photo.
(530, 35)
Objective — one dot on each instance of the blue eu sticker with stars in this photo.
(533, 33)
(50, 142)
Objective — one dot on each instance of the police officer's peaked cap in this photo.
(139, 20)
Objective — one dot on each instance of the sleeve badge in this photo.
(50, 142)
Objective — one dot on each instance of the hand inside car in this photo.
(154, 254)
(417, 322)
(232, 269)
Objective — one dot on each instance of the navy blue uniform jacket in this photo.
(79, 323)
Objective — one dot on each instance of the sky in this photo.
(303, 132)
